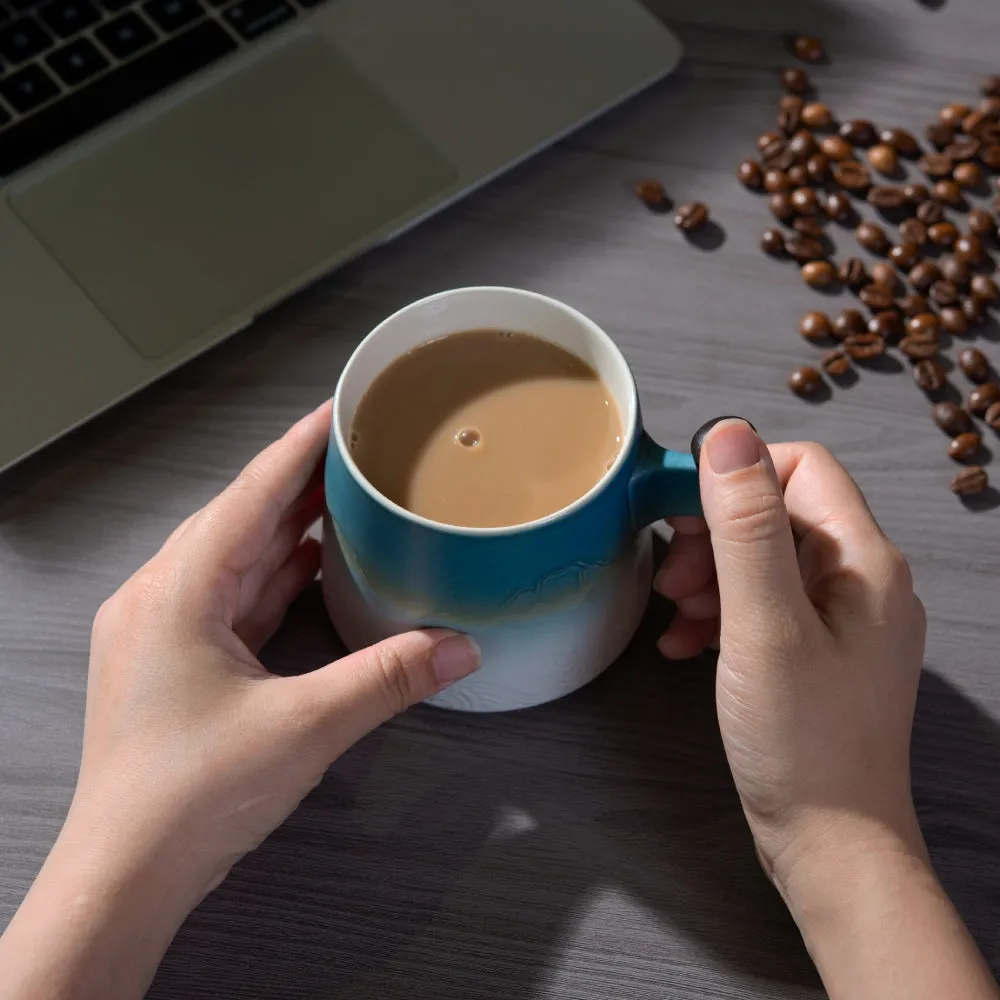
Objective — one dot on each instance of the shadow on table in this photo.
(453, 856)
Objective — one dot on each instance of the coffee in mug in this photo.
(486, 429)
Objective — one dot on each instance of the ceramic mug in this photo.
(551, 603)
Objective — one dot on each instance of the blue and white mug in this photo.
(552, 603)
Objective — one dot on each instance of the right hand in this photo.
(821, 646)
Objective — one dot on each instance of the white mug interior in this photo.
(482, 308)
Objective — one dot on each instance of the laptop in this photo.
(169, 169)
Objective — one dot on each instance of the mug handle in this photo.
(663, 484)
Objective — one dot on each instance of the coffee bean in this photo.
(782, 207)
(877, 297)
(817, 115)
(985, 288)
(965, 447)
(653, 195)
(791, 102)
(886, 199)
(990, 87)
(852, 175)
(864, 346)
(930, 375)
(905, 255)
(953, 114)
(913, 305)
(808, 49)
(930, 213)
(924, 274)
(901, 141)
(924, 327)
(805, 201)
(913, 231)
(887, 324)
(795, 80)
(963, 149)
(954, 270)
(808, 225)
(804, 249)
(789, 120)
(951, 418)
(798, 175)
(975, 121)
(969, 175)
(944, 234)
(852, 273)
(819, 274)
(953, 320)
(936, 165)
(835, 147)
(836, 363)
(991, 105)
(884, 273)
(751, 175)
(805, 381)
(974, 308)
(802, 145)
(839, 208)
(948, 192)
(816, 326)
(990, 156)
(848, 322)
(989, 135)
(982, 398)
(974, 363)
(981, 223)
(918, 350)
(940, 135)
(776, 180)
(944, 293)
(872, 237)
(916, 193)
(992, 417)
(771, 146)
(883, 158)
(818, 168)
(691, 217)
(772, 242)
(970, 249)
(970, 481)
(858, 132)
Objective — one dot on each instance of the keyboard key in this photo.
(111, 94)
(125, 35)
(27, 88)
(253, 17)
(68, 17)
(169, 15)
(23, 39)
(75, 62)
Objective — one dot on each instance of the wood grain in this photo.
(594, 847)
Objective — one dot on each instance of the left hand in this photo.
(192, 752)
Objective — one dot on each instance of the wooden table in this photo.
(591, 848)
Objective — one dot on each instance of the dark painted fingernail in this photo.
(702, 432)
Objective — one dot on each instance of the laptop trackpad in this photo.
(189, 219)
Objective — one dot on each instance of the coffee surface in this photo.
(486, 428)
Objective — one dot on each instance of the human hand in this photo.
(821, 646)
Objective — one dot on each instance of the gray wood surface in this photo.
(591, 848)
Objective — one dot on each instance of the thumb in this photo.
(361, 691)
(751, 533)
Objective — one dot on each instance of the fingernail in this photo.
(733, 447)
(702, 432)
(455, 657)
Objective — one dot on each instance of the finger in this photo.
(755, 558)
(703, 605)
(236, 527)
(688, 525)
(352, 696)
(689, 566)
(287, 582)
(684, 638)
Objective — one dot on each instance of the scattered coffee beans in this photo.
(905, 255)
(974, 308)
(944, 293)
(918, 350)
(963, 149)
(940, 135)
(954, 321)
(836, 148)
(691, 217)
(913, 231)
(848, 322)
(808, 49)
(985, 288)
(804, 201)
(947, 192)
(924, 274)
(953, 114)
(877, 297)
(955, 270)
(970, 481)
(817, 115)
(782, 207)
(816, 326)
(969, 249)
(819, 274)
(992, 417)
(981, 223)
(858, 132)
(969, 175)
(853, 274)
(751, 175)
(930, 375)
(795, 81)
(912, 305)
(818, 168)
(839, 208)
(886, 199)
(951, 418)
(887, 324)
(653, 195)
(974, 364)
(804, 249)
(936, 165)
(883, 158)
(808, 225)
(965, 447)
(864, 346)
(982, 398)
(836, 363)
(772, 242)
(805, 381)
(943, 234)
(852, 176)
(872, 237)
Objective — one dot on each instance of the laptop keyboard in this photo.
(68, 66)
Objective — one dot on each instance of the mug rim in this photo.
(628, 435)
